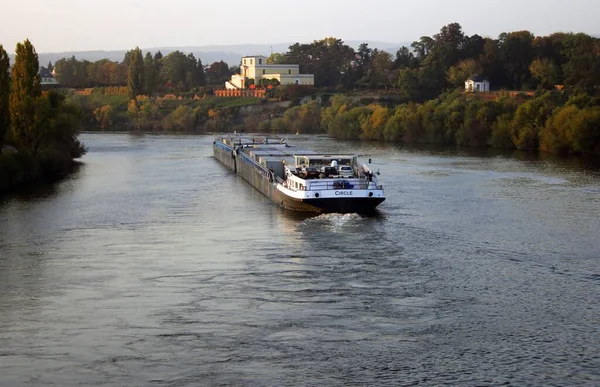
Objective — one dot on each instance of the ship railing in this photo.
(341, 185)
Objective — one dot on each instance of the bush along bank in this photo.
(549, 121)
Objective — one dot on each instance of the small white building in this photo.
(256, 67)
(476, 84)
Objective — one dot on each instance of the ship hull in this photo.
(344, 206)
(243, 166)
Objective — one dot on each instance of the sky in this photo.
(83, 25)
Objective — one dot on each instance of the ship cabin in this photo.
(327, 172)
(314, 166)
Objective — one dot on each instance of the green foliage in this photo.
(179, 71)
(516, 53)
(327, 59)
(348, 124)
(530, 118)
(572, 130)
(502, 132)
(150, 75)
(545, 72)
(303, 119)
(23, 102)
(549, 122)
(181, 119)
(4, 94)
(477, 125)
(135, 74)
(457, 75)
(373, 127)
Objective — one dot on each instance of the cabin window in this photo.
(260, 61)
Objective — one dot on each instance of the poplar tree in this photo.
(4, 93)
(135, 75)
(201, 76)
(149, 74)
(25, 90)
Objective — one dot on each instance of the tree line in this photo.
(153, 73)
(515, 61)
(551, 121)
(38, 131)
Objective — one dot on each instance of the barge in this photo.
(299, 179)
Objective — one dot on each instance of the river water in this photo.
(153, 265)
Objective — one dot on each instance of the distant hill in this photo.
(209, 54)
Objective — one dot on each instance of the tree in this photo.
(180, 69)
(447, 46)
(150, 75)
(457, 75)
(218, 72)
(25, 90)
(491, 64)
(275, 58)
(328, 59)
(582, 68)
(545, 71)
(135, 74)
(516, 53)
(423, 47)
(201, 76)
(404, 59)
(158, 65)
(4, 93)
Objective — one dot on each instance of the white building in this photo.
(476, 84)
(256, 67)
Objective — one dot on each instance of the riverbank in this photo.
(19, 171)
(551, 121)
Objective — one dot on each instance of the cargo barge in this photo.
(299, 179)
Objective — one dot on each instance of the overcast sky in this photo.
(65, 25)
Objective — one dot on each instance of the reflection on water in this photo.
(154, 265)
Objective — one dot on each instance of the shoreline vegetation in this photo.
(545, 96)
(38, 131)
(546, 93)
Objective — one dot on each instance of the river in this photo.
(153, 265)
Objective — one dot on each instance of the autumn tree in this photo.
(4, 93)
(545, 71)
(457, 75)
(25, 90)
